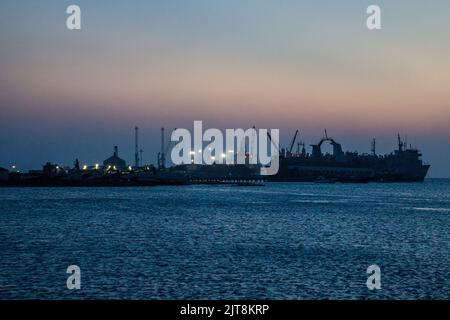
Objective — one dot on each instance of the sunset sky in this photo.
(304, 65)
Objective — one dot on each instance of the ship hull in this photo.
(309, 171)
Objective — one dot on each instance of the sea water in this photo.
(279, 241)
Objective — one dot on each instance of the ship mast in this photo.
(400, 143)
(373, 148)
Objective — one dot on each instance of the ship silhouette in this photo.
(403, 165)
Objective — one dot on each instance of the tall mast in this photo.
(136, 146)
(374, 146)
(400, 143)
(162, 163)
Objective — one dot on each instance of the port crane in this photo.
(293, 141)
(273, 143)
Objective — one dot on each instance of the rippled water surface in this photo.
(281, 241)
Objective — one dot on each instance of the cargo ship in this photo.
(403, 165)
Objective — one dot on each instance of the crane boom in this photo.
(273, 143)
(293, 141)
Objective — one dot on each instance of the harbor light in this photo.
(130, 168)
(13, 167)
(96, 166)
(85, 167)
(114, 168)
